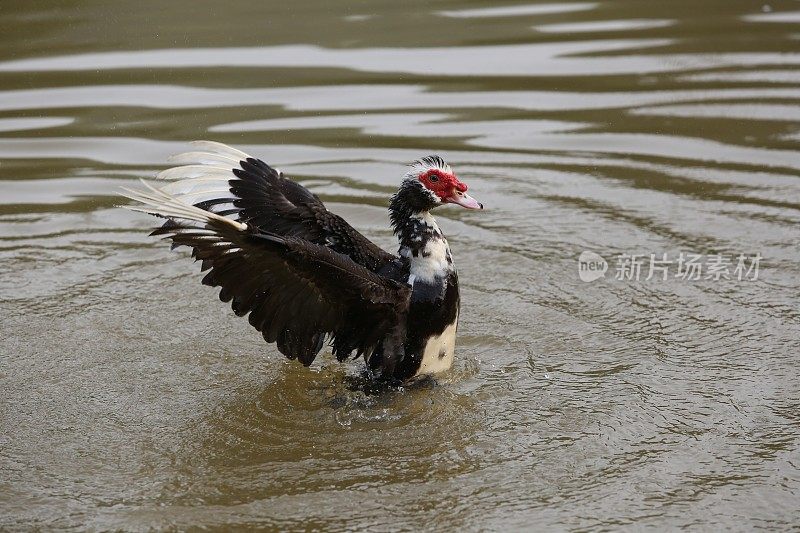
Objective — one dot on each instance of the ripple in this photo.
(374, 123)
(748, 76)
(519, 11)
(789, 113)
(33, 123)
(359, 97)
(782, 17)
(604, 25)
(551, 58)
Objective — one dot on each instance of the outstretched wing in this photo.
(297, 293)
(229, 182)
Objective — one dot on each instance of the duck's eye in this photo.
(433, 177)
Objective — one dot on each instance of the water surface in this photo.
(131, 399)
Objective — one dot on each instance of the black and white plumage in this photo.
(302, 274)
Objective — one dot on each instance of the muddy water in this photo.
(131, 399)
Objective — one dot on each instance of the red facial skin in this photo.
(443, 184)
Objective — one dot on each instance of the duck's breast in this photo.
(432, 324)
(439, 350)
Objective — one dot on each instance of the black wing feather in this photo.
(296, 292)
(276, 204)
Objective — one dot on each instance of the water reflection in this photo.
(604, 26)
(521, 10)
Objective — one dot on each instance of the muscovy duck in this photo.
(303, 274)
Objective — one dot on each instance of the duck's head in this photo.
(430, 182)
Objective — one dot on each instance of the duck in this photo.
(302, 275)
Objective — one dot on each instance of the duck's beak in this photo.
(464, 200)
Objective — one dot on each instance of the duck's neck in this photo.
(421, 242)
